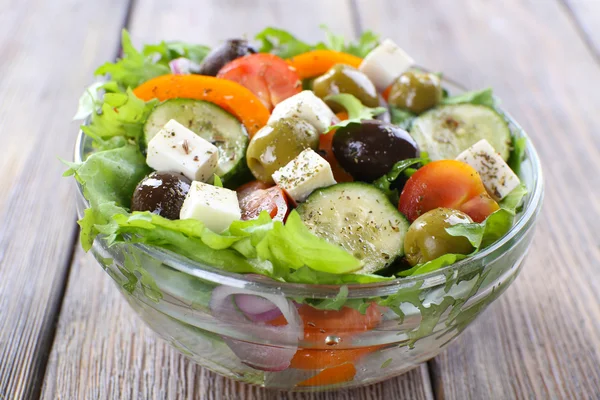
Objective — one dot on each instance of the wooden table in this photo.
(65, 332)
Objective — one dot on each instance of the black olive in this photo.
(221, 55)
(370, 149)
(161, 193)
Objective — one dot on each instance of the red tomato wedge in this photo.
(269, 77)
(446, 183)
(255, 197)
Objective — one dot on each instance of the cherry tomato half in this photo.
(255, 197)
(269, 77)
(446, 183)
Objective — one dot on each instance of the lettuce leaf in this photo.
(433, 265)
(164, 52)
(402, 118)
(281, 43)
(483, 97)
(122, 115)
(285, 45)
(89, 101)
(133, 68)
(366, 42)
(357, 112)
(517, 154)
(293, 245)
(385, 182)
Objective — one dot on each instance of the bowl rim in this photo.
(265, 284)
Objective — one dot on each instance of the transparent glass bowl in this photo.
(427, 311)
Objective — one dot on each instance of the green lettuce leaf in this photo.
(433, 265)
(402, 118)
(286, 45)
(357, 112)
(366, 42)
(133, 68)
(483, 97)
(487, 232)
(168, 51)
(281, 43)
(513, 201)
(122, 114)
(294, 246)
(89, 101)
(385, 182)
(517, 154)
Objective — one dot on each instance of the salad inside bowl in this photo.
(301, 216)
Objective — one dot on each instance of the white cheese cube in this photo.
(176, 148)
(497, 177)
(214, 206)
(307, 106)
(385, 63)
(304, 174)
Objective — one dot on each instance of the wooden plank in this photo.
(102, 350)
(542, 338)
(49, 50)
(585, 15)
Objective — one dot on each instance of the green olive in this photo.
(427, 238)
(277, 144)
(346, 79)
(416, 91)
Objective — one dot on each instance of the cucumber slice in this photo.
(210, 122)
(359, 218)
(446, 131)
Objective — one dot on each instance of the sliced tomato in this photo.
(255, 198)
(250, 187)
(318, 324)
(269, 77)
(343, 323)
(446, 183)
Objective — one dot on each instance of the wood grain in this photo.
(102, 350)
(585, 15)
(542, 338)
(48, 54)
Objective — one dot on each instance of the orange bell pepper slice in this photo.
(231, 96)
(331, 376)
(317, 62)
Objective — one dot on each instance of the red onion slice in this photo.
(233, 308)
(182, 66)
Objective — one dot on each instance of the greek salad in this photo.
(335, 163)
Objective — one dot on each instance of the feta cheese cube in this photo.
(307, 106)
(385, 63)
(176, 148)
(214, 206)
(304, 174)
(497, 177)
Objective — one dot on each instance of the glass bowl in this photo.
(415, 317)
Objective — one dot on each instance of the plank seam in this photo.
(580, 29)
(47, 343)
(355, 18)
(46, 348)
